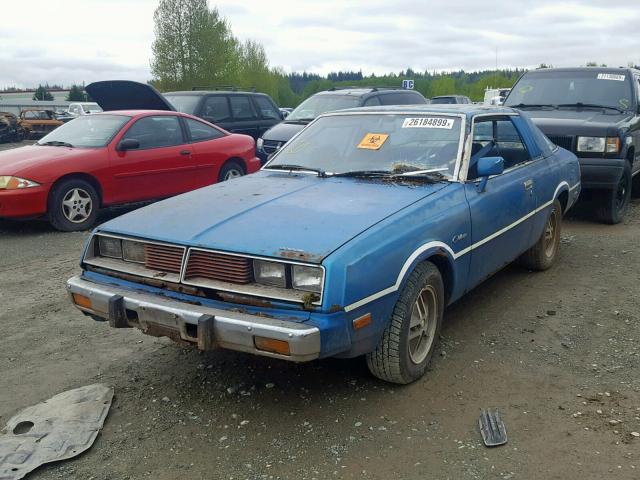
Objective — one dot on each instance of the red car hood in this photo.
(28, 161)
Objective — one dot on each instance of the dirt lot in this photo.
(557, 352)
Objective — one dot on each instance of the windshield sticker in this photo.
(373, 141)
(624, 102)
(526, 89)
(610, 76)
(428, 122)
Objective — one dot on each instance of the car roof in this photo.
(361, 91)
(468, 109)
(137, 113)
(212, 92)
(582, 69)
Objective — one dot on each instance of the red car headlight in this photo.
(16, 183)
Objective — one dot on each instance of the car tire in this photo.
(407, 344)
(73, 205)
(230, 170)
(614, 203)
(543, 254)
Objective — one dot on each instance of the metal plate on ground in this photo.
(492, 428)
(57, 429)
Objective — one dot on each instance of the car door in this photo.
(209, 152)
(267, 111)
(245, 117)
(161, 166)
(501, 214)
(635, 130)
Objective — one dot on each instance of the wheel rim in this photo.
(550, 231)
(233, 173)
(77, 205)
(422, 328)
(621, 193)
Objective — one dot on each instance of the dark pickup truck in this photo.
(595, 113)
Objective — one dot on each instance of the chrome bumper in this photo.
(207, 327)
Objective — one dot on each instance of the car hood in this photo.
(272, 214)
(24, 160)
(576, 122)
(283, 131)
(127, 95)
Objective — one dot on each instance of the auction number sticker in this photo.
(428, 122)
(611, 76)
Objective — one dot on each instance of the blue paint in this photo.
(368, 234)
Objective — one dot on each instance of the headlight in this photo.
(270, 273)
(308, 279)
(259, 143)
(132, 251)
(110, 247)
(15, 183)
(591, 144)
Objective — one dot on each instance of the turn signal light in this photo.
(362, 321)
(272, 345)
(82, 301)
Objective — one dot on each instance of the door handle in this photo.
(185, 152)
(528, 184)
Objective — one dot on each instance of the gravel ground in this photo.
(557, 352)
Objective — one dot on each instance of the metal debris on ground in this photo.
(57, 429)
(492, 428)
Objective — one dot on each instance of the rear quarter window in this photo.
(401, 98)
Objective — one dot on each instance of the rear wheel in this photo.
(73, 205)
(408, 343)
(229, 170)
(613, 204)
(543, 254)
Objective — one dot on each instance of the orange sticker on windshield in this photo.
(373, 141)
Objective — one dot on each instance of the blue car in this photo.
(350, 241)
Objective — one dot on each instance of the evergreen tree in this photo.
(76, 94)
(42, 93)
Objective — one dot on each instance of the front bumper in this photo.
(204, 326)
(25, 202)
(600, 172)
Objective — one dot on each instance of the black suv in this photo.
(249, 113)
(595, 113)
(327, 101)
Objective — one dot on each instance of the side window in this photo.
(241, 108)
(371, 102)
(74, 109)
(216, 109)
(638, 87)
(400, 98)
(201, 131)
(497, 138)
(31, 115)
(155, 132)
(266, 108)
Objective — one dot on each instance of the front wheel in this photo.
(229, 170)
(615, 203)
(408, 342)
(73, 205)
(543, 254)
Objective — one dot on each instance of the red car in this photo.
(118, 157)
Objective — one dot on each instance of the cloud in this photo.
(112, 38)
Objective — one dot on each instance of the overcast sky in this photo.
(67, 41)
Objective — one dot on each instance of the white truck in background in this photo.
(495, 96)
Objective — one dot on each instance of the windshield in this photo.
(443, 100)
(393, 143)
(184, 103)
(89, 131)
(562, 88)
(315, 106)
(91, 107)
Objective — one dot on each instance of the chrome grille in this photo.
(163, 257)
(564, 141)
(216, 266)
(271, 146)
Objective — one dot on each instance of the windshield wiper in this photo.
(299, 120)
(297, 168)
(435, 173)
(56, 143)
(533, 105)
(364, 174)
(590, 105)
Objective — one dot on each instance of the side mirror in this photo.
(488, 166)
(128, 144)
